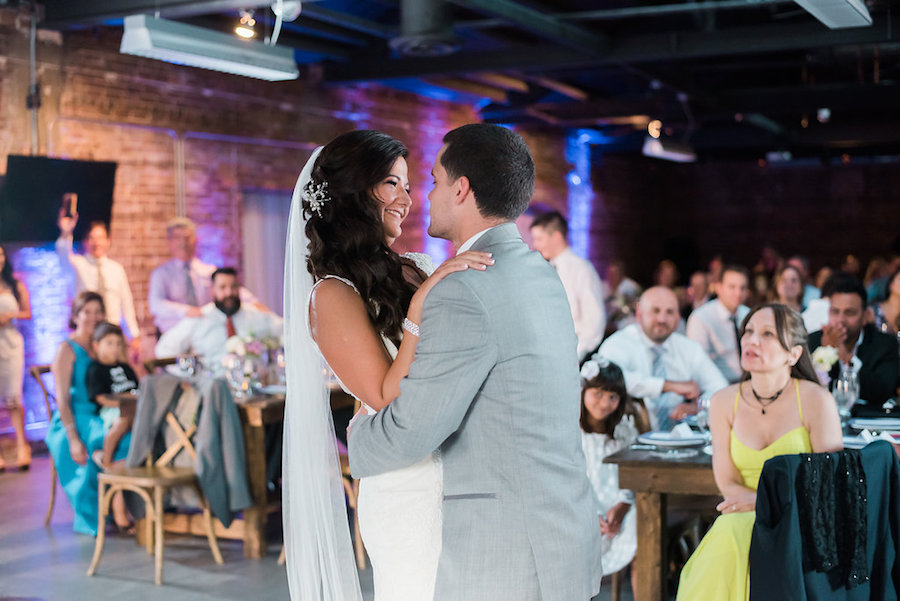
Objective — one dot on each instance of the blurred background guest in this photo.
(622, 295)
(887, 312)
(714, 272)
(181, 286)
(14, 305)
(697, 293)
(810, 291)
(96, 272)
(715, 325)
(789, 287)
(778, 408)
(605, 429)
(76, 429)
(583, 286)
(661, 366)
(219, 320)
(861, 347)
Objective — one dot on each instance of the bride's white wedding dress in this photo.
(400, 515)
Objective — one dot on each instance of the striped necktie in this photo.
(665, 402)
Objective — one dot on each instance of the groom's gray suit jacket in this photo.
(495, 385)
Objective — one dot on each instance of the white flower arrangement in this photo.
(235, 346)
(823, 359)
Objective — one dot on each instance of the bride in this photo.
(355, 303)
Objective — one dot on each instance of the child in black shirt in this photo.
(110, 373)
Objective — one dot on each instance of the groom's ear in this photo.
(462, 188)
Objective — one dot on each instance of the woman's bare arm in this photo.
(737, 497)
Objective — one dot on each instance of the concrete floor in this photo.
(49, 564)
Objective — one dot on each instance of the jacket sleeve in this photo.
(453, 358)
(879, 372)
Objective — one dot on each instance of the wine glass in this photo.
(846, 391)
(703, 413)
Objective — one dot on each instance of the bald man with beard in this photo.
(666, 369)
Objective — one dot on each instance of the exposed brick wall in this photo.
(734, 209)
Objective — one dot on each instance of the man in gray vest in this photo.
(495, 386)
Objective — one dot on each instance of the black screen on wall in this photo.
(31, 196)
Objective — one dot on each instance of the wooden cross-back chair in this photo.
(38, 372)
(151, 482)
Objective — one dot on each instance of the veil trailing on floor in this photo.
(320, 560)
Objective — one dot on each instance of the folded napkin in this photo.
(682, 431)
(869, 437)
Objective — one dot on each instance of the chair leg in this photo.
(101, 528)
(158, 535)
(210, 529)
(617, 586)
(52, 493)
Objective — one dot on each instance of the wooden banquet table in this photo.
(255, 413)
(653, 478)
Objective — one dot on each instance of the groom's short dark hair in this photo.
(498, 165)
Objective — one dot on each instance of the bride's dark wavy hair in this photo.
(348, 239)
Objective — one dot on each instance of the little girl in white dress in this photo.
(606, 430)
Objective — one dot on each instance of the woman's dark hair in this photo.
(348, 238)
(791, 332)
(79, 302)
(610, 379)
(105, 329)
(6, 274)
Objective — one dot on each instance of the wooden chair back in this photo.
(37, 372)
(151, 365)
(638, 410)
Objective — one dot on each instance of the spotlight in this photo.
(654, 128)
(245, 28)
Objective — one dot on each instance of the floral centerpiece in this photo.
(248, 359)
(823, 359)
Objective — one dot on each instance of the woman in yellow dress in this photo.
(778, 408)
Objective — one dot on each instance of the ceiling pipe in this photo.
(426, 29)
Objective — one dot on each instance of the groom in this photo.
(495, 386)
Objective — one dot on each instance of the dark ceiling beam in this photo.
(629, 49)
(347, 21)
(63, 13)
(846, 98)
(538, 23)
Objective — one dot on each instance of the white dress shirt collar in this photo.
(471, 241)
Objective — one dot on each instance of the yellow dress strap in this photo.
(737, 398)
(799, 405)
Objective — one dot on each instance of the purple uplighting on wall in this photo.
(581, 193)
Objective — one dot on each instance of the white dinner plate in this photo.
(877, 424)
(665, 439)
(854, 442)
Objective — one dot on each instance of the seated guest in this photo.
(665, 368)
(110, 374)
(887, 312)
(789, 287)
(697, 293)
(870, 353)
(181, 286)
(583, 286)
(76, 428)
(606, 430)
(219, 320)
(810, 292)
(778, 408)
(622, 294)
(715, 325)
(95, 271)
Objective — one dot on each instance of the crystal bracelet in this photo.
(410, 326)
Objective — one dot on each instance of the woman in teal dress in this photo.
(76, 429)
(778, 408)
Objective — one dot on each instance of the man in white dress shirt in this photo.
(666, 369)
(716, 325)
(96, 272)
(181, 286)
(584, 288)
(224, 317)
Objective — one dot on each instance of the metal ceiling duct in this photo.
(838, 14)
(426, 29)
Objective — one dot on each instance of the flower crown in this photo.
(316, 195)
(591, 369)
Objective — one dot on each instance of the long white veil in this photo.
(320, 560)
